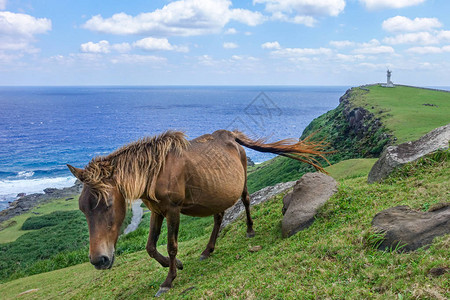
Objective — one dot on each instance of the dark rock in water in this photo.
(301, 205)
(20, 195)
(250, 162)
(260, 196)
(396, 156)
(407, 230)
(50, 190)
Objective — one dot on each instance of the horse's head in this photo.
(105, 211)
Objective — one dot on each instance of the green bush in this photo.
(51, 219)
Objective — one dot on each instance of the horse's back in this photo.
(215, 174)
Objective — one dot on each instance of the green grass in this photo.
(351, 168)
(331, 259)
(11, 233)
(402, 111)
(53, 233)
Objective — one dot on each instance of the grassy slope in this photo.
(403, 112)
(400, 109)
(11, 233)
(330, 259)
(351, 168)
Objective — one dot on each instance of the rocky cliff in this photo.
(351, 130)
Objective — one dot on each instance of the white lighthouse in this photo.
(389, 83)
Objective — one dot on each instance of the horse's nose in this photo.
(101, 262)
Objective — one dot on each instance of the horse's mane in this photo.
(134, 167)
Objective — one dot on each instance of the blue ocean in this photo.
(44, 128)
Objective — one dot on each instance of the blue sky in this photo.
(222, 42)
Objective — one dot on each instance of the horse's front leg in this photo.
(173, 223)
(155, 229)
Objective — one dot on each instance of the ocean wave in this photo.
(10, 188)
(25, 174)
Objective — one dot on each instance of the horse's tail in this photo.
(302, 150)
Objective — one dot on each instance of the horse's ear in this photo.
(78, 173)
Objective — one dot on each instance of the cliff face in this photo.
(353, 131)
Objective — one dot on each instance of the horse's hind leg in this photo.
(155, 229)
(246, 200)
(212, 240)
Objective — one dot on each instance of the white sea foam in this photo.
(10, 188)
(25, 174)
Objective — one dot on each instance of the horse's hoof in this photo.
(250, 234)
(203, 257)
(161, 291)
(179, 264)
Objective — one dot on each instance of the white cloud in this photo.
(302, 11)
(229, 45)
(380, 4)
(16, 24)
(17, 32)
(373, 47)
(100, 47)
(182, 18)
(104, 47)
(304, 7)
(3, 4)
(443, 35)
(422, 38)
(305, 20)
(121, 48)
(349, 57)
(137, 59)
(154, 44)
(429, 50)
(271, 45)
(231, 31)
(248, 17)
(297, 52)
(400, 23)
(342, 44)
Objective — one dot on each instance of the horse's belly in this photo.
(212, 199)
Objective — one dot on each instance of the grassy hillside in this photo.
(403, 112)
(12, 228)
(334, 258)
(400, 109)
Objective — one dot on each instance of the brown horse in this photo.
(201, 177)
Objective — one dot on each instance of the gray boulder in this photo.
(408, 230)
(396, 156)
(301, 205)
(258, 197)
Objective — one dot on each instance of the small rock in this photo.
(250, 162)
(50, 190)
(438, 271)
(397, 156)
(411, 229)
(301, 205)
(20, 195)
(255, 248)
(70, 198)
